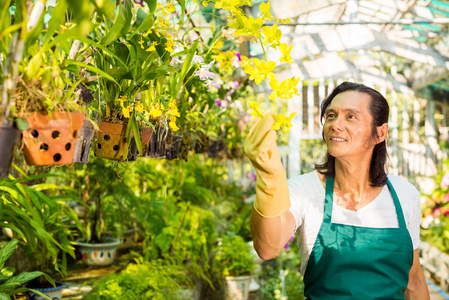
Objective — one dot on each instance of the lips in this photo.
(337, 139)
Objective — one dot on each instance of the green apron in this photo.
(350, 262)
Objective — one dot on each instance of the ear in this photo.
(382, 132)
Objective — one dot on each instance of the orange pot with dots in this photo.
(51, 137)
(110, 141)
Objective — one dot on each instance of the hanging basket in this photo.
(145, 136)
(51, 138)
(157, 145)
(173, 147)
(82, 149)
(9, 136)
(110, 141)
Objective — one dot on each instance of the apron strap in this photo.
(398, 206)
(328, 199)
(330, 193)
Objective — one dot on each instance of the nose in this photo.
(337, 124)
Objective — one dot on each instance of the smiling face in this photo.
(348, 126)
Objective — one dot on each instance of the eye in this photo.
(351, 116)
(330, 115)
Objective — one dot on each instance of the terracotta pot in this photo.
(82, 149)
(110, 141)
(9, 136)
(51, 138)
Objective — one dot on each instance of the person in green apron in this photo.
(358, 226)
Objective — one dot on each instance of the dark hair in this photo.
(380, 111)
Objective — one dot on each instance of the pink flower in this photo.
(203, 73)
(218, 102)
(252, 175)
(446, 197)
(437, 212)
(445, 181)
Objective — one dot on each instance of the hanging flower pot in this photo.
(99, 254)
(82, 149)
(55, 293)
(51, 138)
(110, 141)
(145, 136)
(215, 148)
(9, 136)
(157, 146)
(173, 147)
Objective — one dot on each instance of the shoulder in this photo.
(306, 183)
(403, 188)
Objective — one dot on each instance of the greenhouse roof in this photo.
(411, 35)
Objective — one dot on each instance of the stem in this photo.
(179, 228)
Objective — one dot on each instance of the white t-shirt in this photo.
(307, 198)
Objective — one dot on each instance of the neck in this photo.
(352, 176)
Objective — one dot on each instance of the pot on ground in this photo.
(127, 239)
(236, 287)
(51, 138)
(55, 293)
(99, 254)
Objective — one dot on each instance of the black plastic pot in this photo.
(9, 136)
(157, 146)
(173, 148)
(82, 149)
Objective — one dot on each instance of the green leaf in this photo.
(6, 251)
(121, 50)
(4, 296)
(121, 24)
(92, 69)
(105, 8)
(40, 293)
(24, 277)
(56, 19)
(183, 9)
(151, 5)
(186, 65)
(137, 135)
(22, 124)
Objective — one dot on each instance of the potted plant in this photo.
(99, 183)
(234, 261)
(44, 224)
(37, 87)
(11, 285)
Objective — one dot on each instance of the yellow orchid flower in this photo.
(248, 26)
(141, 43)
(256, 111)
(282, 122)
(262, 71)
(173, 109)
(138, 107)
(155, 111)
(285, 50)
(152, 47)
(169, 46)
(272, 35)
(265, 8)
(172, 124)
(284, 90)
(147, 33)
(170, 7)
(285, 21)
(126, 111)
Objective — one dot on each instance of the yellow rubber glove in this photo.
(272, 197)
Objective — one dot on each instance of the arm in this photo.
(272, 224)
(417, 288)
(271, 234)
